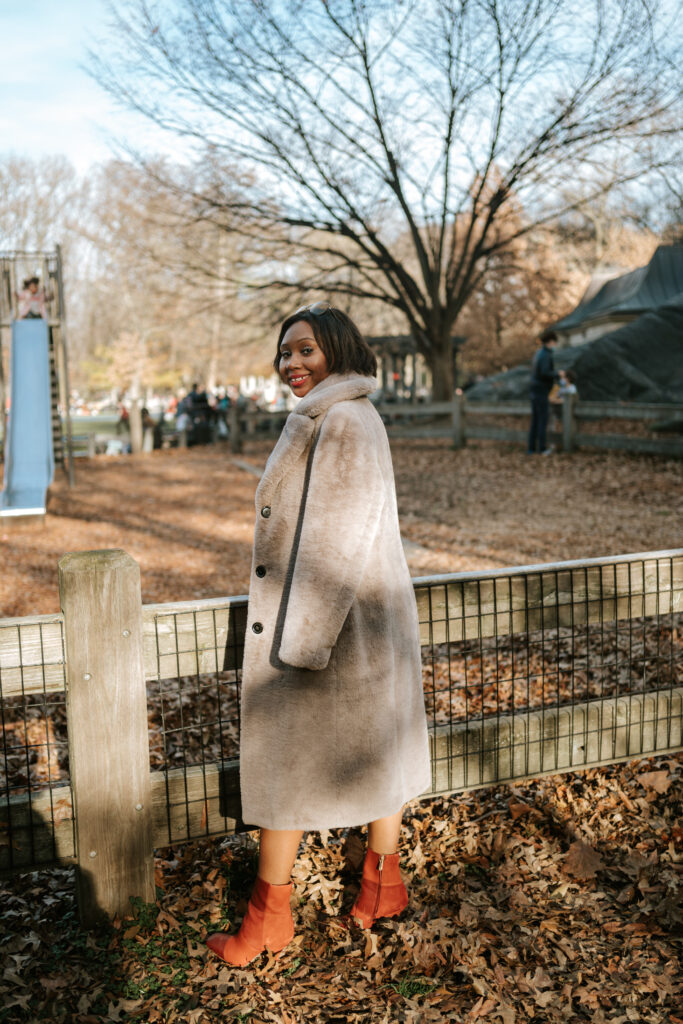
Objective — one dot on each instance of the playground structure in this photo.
(33, 439)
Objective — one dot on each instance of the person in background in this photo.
(543, 376)
(222, 410)
(32, 300)
(123, 423)
(566, 385)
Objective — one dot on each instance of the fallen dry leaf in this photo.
(606, 946)
(582, 861)
(659, 781)
(518, 809)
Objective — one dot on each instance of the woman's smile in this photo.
(302, 362)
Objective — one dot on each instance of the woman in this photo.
(333, 727)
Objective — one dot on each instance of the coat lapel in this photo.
(300, 426)
(292, 443)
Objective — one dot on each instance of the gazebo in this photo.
(403, 371)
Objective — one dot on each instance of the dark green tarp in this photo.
(641, 362)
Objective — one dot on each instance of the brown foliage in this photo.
(496, 928)
(549, 902)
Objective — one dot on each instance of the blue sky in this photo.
(48, 103)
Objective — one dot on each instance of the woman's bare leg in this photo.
(384, 832)
(277, 853)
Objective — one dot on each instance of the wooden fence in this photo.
(460, 420)
(574, 633)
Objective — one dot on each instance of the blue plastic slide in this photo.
(29, 459)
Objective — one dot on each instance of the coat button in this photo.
(257, 628)
(260, 571)
(265, 511)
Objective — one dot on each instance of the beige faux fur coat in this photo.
(333, 726)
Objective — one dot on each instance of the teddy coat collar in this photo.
(303, 423)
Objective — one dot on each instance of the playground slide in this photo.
(29, 460)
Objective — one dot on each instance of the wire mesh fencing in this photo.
(526, 671)
(193, 660)
(543, 670)
(36, 818)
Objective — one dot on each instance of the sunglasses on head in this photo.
(316, 308)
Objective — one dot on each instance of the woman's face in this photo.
(302, 361)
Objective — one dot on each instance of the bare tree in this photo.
(385, 140)
(39, 200)
(162, 300)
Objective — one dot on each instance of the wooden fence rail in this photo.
(105, 646)
(458, 420)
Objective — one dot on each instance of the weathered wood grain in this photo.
(206, 636)
(36, 830)
(571, 738)
(204, 800)
(191, 637)
(186, 803)
(31, 655)
(470, 606)
(107, 728)
(614, 442)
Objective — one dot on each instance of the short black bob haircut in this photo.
(344, 347)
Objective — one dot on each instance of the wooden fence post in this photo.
(235, 429)
(459, 430)
(135, 424)
(107, 726)
(568, 423)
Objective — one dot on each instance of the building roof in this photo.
(632, 294)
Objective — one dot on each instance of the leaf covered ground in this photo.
(187, 516)
(557, 900)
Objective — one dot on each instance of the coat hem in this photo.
(353, 821)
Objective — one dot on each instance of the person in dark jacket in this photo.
(543, 376)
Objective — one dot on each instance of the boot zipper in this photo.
(380, 866)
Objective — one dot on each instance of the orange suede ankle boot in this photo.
(267, 925)
(382, 892)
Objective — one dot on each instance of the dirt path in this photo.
(187, 516)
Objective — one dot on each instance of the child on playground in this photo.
(32, 300)
(333, 726)
(566, 385)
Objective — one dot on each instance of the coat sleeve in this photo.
(344, 503)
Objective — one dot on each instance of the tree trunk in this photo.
(440, 362)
